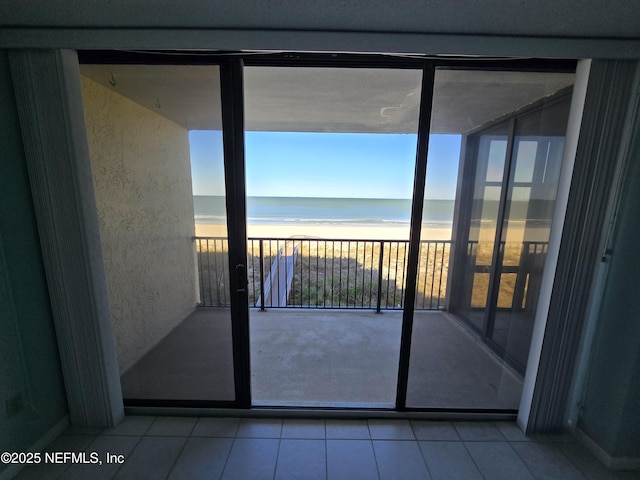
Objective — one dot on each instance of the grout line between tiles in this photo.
(375, 458)
(150, 425)
(193, 427)
(115, 474)
(226, 461)
(533, 475)
(464, 444)
(326, 456)
(423, 458)
(173, 465)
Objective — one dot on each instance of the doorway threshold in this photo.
(323, 413)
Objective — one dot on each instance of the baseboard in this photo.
(609, 461)
(42, 443)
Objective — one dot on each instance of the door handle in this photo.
(242, 278)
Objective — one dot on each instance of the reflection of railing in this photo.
(520, 270)
(318, 273)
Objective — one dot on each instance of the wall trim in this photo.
(609, 461)
(48, 97)
(256, 39)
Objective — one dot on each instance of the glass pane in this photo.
(496, 155)
(156, 155)
(515, 225)
(525, 160)
(450, 366)
(539, 145)
(330, 156)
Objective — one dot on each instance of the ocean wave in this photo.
(361, 222)
(325, 221)
(210, 218)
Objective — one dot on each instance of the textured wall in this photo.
(142, 177)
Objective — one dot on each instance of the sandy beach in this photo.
(372, 232)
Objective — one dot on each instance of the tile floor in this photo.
(232, 448)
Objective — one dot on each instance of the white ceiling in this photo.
(328, 99)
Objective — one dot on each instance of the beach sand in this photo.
(327, 232)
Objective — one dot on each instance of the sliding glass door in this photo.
(330, 163)
(517, 166)
(510, 128)
(156, 139)
(365, 289)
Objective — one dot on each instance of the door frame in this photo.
(232, 105)
(231, 74)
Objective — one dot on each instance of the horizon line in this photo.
(323, 198)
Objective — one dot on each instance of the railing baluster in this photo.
(225, 276)
(252, 291)
(355, 277)
(405, 253)
(380, 264)
(278, 256)
(432, 276)
(270, 276)
(433, 273)
(200, 271)
(348, 262)
(340, 278)
(324, 277)
(371, 273)
(364, 268)
(210, 302)
(422, 270)
(261, 250)
(218, 260)
(441, 273)
(395, 275)
(216, 270)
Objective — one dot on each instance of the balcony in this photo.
(327, 333)
(322, 358)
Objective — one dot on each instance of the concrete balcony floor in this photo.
(326, 358)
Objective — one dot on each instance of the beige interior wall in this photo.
(142, 178)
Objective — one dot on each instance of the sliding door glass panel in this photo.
(537, 158)
(458, 357)
(330, 157)
(492, 148)
(156, 156)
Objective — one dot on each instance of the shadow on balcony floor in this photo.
(326, 358)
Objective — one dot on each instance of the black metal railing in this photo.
(319, 273)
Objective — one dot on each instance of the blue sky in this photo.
(291, 164)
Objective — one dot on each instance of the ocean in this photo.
(325, 211)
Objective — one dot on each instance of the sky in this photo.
(339, 165)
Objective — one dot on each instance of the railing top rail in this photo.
(525, 242)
